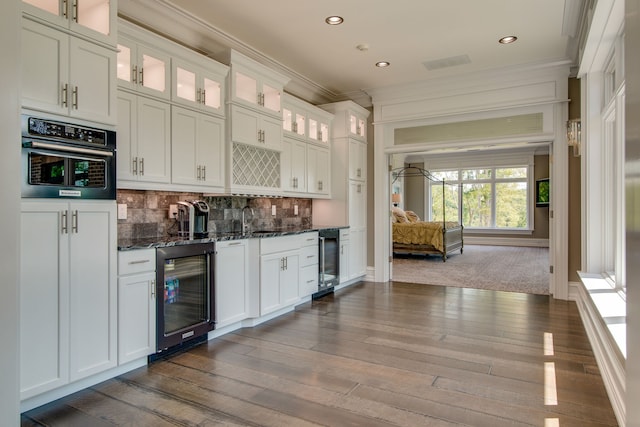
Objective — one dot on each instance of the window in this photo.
(491, 198)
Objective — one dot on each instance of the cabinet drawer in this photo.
(308, 280)
(310, 239)
(269, 245)
(344, 233)
(308, 255)
(136, 261)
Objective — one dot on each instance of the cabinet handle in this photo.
(359, 188)
(204, 97)
(310, 256)
(359, 172)
(199, 96)
(134, 75)
(74, 97)
(64, 223)
(281, 264)
(204, 173)
(320, 185)
(74, 222)
(286, 263)
(234, 243)
(153, 289)
(310, 281)
(341, 249)
(135, 166)
(142, 166)
(139, 261)
(74, 9)
(199, 174)
(142, 76)
(65, 89)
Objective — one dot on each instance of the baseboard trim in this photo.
(506, 241)
(610, 362)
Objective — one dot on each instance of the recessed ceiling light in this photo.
(507, 39)
(334, 20)
(383, 64)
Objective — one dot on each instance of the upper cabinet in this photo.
(92, 18)
(304, 121)
(142, 68)
(67, 75)
(256, 86)
(199, 86)
(350, 120)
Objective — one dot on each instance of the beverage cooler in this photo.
(185, 290)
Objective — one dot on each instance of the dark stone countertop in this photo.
(164, 241)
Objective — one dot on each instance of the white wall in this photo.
(10, 202)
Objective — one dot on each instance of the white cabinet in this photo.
(142, 67)
(279, 272)
(231, 282)
(255, 85)
(294, 166)
(304, 121)
(67, 75)
(143, 140)
(68, 293)
(197, 149)
(348, 202)
(345, 245)
(136, 304)
(91, 18)
(309, 264)
(318, 167)
(357, 160)
(350, 120)
(252, 128)
(199, 86)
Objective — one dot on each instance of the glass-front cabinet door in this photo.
(256, 92)
(143, 69)
(93, 18)
(195, 87)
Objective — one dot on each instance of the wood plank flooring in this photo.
(392, 354)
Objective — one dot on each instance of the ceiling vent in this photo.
(452, 61)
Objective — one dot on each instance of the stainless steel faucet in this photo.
(245, 225)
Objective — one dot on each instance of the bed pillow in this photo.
(412, 216)
(399, 215)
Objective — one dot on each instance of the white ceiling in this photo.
(293, 36)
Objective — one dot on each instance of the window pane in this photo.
(511, 205)
(511, 173)
(451, 202)
(476, 205)
(446, 175)
(473, 174)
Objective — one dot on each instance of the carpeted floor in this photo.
(499, 268)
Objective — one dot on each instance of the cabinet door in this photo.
(294, 169)
(153, 140)
(357, 204)
(143, 68)
(92, 18)
(44, 297)
(92, 288)
(344, 259)
(357, 253)
(308, 280)
(127, 134)
(271, 267)
(45, 68)
(195, 87)
(231, 282)
(92, 82)
(210, 150)
(184, 131)
(318, 170)
(136, 316)
(245, 126)
(357, 159)
(290, 279)
(271, 133)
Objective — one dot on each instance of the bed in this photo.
(410, 235)
(426, 237)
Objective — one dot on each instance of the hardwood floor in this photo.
(370, 355)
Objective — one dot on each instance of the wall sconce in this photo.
(396, 199)
(574, 135)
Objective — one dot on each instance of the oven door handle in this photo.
(57, 147)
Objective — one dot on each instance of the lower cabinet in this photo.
(136, 304)
(231, 282)
(68, 295)
(278, 280)
(345, 246)
(309, 265)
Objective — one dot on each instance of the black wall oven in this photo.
(64, 160)
(185, 289)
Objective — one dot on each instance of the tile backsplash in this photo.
(148, 213)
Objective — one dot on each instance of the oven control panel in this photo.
(68, 132)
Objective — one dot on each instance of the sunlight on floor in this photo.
(548, 344)
(551, 422)
(550, 390)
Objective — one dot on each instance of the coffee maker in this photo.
(193, 219)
